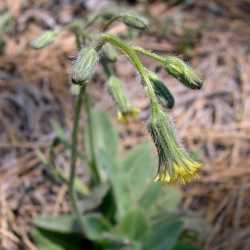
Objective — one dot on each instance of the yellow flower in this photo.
(124, 117)
(175, 164)
(180, 173)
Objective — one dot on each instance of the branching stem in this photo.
(130, 52)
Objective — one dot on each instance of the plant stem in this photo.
(130, 52)
(93, 160)
(72, 193)
(150, 54)
(109, 23)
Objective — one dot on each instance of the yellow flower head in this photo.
(175, 164)
(125, 116)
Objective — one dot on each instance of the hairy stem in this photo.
(150, 54)
(75, 132)
(93, 161)
(110, 22)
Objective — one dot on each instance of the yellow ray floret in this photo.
(175, 165)
(180, 173)
(124, 117)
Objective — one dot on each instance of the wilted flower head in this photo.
(126, 110)
(184, 73)
(175, 164)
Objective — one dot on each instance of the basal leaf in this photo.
(94, 199)
(134, 225)
(164, 234)
(120, 190)
(105, 136)
(47, 240)
(138, 168)
(184, 246)
(66, 223)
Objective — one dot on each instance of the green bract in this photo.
(163, 93)
(135, 21)
(44, 39)
(109, 52)
(84, 65)
(184, 73)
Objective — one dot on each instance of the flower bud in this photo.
(5, 22)
(134, 20)
(184, 73)
(175, 164)
(161, 90)
(126, 110)
(84, 65)
(108, 14)
(109, 52)
(44, 39)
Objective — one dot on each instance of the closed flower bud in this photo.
(184, 73)
(175, 164)
(5, 22)
(44, 39)
(161, 90)
(126, 110)
(83, 67)
(109, 52)
(134, 20)
(108, 14)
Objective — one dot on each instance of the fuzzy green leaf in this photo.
(134, 225)
(139, 169)
(164, 234)
(55, 241)
(184, 246)
(105, 136)
(66, 223)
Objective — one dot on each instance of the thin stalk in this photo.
(150, 54)
(92, 21)
(93, 160)
(110, 22)
(75, 132)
